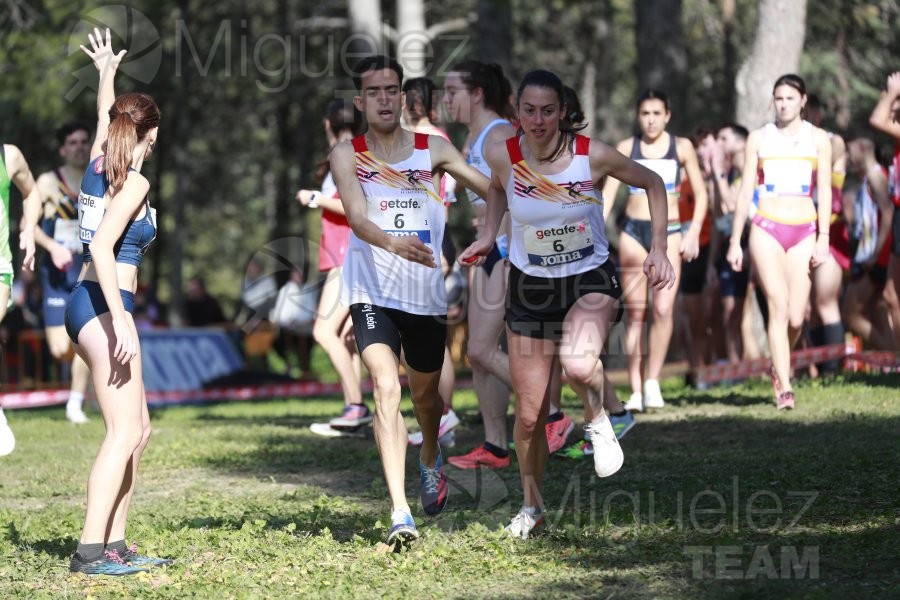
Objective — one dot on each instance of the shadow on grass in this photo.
(61, 547)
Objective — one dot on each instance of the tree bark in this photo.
(412, 38)
(493, 33)
(661, 54)
(366, 26)
(730, 53)
(776, 51)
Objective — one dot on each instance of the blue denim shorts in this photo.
(87, 302)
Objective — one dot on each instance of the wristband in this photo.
(313, 200)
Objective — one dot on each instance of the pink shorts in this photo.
(786, 234)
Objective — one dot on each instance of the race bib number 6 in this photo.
(399, 217)
(547, 247)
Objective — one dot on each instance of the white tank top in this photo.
(557, 220)
(475, 157)
(787, 164)
(401, 200)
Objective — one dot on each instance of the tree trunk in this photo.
(842, 113)
(493, 33)
(180, 153)
(366, 26)
(776, 51)
(412, 38)
(661, 55)
(598, 70)
(729, 51)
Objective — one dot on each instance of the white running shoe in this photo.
(525, 522)
(76, 415)
(7, 439)
(608, 456)
(448, 422)
(635, 403)
(652, 396)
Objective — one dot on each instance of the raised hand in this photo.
(101, 52)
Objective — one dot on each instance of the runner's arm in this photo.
(881, 118)
(879, 187)
(21, 176)
(107, 64)
(448, 159)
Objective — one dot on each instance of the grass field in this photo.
(720, 496)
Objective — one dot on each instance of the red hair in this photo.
(131, 117)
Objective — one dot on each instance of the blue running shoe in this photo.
(134, 559)
(622, 424)
(108, 564)
(403, 528)
(434, 489)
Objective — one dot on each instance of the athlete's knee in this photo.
(126, 439)
(580, 370)
(479, 354)
(386, 387)
(324, 333)
(527, 423)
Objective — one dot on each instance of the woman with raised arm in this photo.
(332, 324)
(886, 118)
(785, 161)
(117, 226)
(564, 292)
(666, 155)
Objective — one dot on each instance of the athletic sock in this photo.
(817, 335)
(557, 416)
(118, 546)
(76, 401)
(89, 552)
(495, 450)
(832, 334)
(2, 417)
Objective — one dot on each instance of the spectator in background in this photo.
(257, 294)
(294, 314)
(201, 309)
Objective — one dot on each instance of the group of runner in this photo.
(544, 292)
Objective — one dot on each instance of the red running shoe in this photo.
(479, 457)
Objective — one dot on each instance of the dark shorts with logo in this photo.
(422, 337)
(537, 306)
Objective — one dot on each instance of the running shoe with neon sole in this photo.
(433, 491)
(354, 415)
(109, 564)
(785, 401)
(403, 528)
(558, 432)
(652, 395)
(133, 558)
(448, 422)
(579, 449)
(608, 455)
(635, 403)
(622, 424)
(526, 520)
(479, 457)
